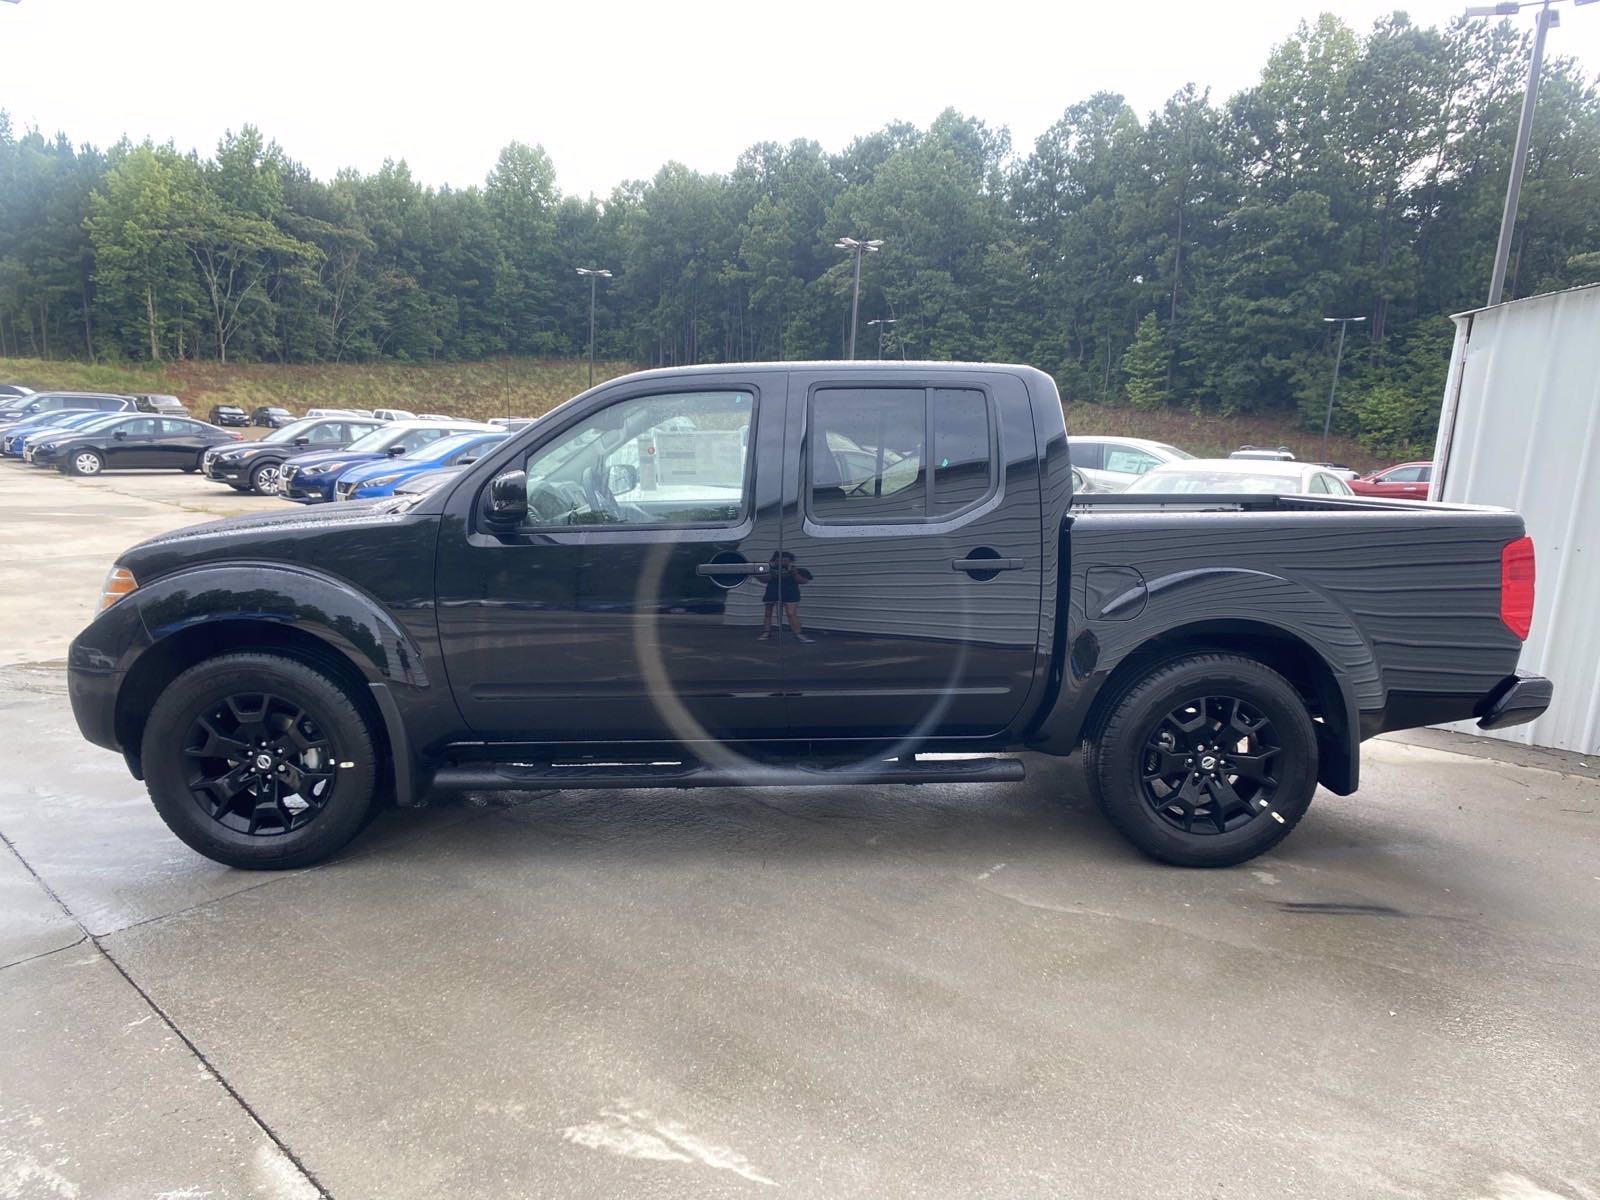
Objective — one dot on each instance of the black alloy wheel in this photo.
(261, 765)
(1206, 761)
(1209, 765)
(261, 761)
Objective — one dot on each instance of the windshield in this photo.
(287, 433)
(444, 447)
(1216, 483)
(378, 439)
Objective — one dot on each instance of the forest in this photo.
(1183, 258)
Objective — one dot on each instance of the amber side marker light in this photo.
(117, 585)
(1516, 586)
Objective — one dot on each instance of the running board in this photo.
(497, 777)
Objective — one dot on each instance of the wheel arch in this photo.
(1330, 698)
(166, 659)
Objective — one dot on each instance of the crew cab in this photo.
(796, 574)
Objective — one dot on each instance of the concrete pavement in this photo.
(886, 992)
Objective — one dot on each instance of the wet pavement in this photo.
(873, 992)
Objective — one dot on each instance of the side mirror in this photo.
(507, 502)
(301, 441)
(465, 462)
(119, 435)
(395, 451)
(622, 478)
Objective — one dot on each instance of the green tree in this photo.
(1144, 365)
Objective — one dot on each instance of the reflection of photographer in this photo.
(784, 578)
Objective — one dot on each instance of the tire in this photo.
(1169, 790)
(189, 470)
(239, 813)
(84, 462)
(264, 479)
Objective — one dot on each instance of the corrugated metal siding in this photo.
(1522, 426)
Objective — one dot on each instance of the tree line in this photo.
(1185, 257)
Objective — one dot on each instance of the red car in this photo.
(1408, 481)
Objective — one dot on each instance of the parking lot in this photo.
(872, 992)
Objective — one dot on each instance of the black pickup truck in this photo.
(796, 574)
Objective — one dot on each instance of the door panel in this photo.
(134, 448)
(598, 619)
(896, 627)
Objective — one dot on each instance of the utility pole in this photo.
(1545, 19)
(595, 275)
(880, 322)
(858, 247)
(1327, 421)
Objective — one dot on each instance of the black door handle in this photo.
(986, 564)
(731, 568)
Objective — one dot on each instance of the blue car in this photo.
(374, 479)
(12, 436)
(17, 441)
(309, 478)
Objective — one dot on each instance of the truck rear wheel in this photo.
(1208, 761)
(259, 761)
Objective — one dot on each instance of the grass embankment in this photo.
(527, 387)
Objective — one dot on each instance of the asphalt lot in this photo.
(938, 992)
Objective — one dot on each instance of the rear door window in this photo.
(898, 455)
(1087, 454)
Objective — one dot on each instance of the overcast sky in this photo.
(612, 91)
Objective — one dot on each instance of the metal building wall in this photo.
(1521, 429)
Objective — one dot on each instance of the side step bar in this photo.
(500, 777)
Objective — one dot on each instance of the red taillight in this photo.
(1516, 586)
(238, 437)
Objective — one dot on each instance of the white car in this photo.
(1239, 477)
(393, 414)
(1112, 463)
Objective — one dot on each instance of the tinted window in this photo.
(144, 427)
(1404, 475)
(867, 457)
(675, 459)
(180, 428)
(963, 438)
(1087, 454)
(330, 434)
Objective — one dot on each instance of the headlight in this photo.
(119, 583)
(323, 468)
(380, 481)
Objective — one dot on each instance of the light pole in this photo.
(858, 247)
(1327, 421)
(595, 274)
(880, 322)
(1545, 19)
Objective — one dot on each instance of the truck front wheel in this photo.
(1208, 761)
(259, 761)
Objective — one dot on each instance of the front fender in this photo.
(346, 618)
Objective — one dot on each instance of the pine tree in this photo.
(1144, 365)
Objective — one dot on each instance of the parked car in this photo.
(556, 617)
(373, 479)
(1235, 477)
(1112, 463)
(254, 466)
(12, 436)
(135, 441)
(228, 415)
(1407, 481)
(1263, 454)
(159, 403)
(394, 414)
(30, 439)
(310, 478)
(270, 416)
(27, 406)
